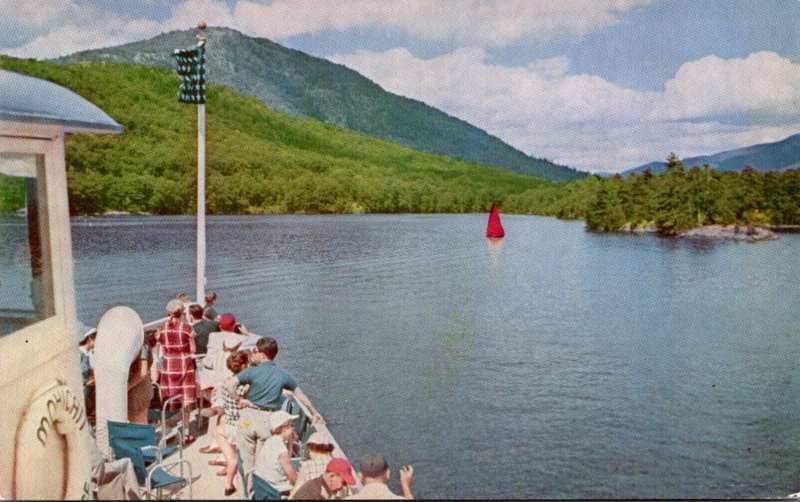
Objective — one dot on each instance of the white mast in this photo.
(201, 185)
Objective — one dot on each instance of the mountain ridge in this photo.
(774, 156)
(294, 82)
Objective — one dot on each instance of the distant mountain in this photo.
(296, 83)
(778, 156)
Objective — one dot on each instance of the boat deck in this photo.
(205, 482)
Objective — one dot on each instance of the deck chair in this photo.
(263, 490)
(143, 435)
(157, 476)
(159, 411)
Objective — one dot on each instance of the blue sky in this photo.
(600, 85)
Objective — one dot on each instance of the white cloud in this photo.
(588, 122)
(710, 104)
(51, 28)
(762, 86)
(550, 68)
(491, 23)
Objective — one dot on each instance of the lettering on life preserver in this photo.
(55, 411)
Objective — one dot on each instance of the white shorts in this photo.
(230, 433)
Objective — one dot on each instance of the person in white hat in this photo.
(274, 462)
(320, 451)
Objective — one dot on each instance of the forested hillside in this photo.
(259, 160)
(296, 83)
(674, 201)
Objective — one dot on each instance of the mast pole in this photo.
(201, 185)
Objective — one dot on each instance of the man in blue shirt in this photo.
(267, 382)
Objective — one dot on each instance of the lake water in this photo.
(555, 364)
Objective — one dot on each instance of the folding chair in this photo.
(144, 435)
(263, 490)
(157, 476)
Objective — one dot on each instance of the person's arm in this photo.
(139, 375)
(192, 343)
(301, 478)
(230, 386)
(406, 480)
(286, 463)
(303, 399)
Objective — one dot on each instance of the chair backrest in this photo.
(262, 490)
(145, 434)
(127, 442)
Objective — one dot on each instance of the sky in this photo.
(598, 85)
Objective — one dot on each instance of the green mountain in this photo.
(258, 160)
(777, 156)
(301, 85)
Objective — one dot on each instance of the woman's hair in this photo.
(320, 448)
(238, 361)
(174, 308)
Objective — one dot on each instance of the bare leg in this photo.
(227, 451)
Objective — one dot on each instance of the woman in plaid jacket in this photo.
(176, 339)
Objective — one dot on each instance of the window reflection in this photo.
(26, 286)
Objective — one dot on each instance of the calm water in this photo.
(556, 364)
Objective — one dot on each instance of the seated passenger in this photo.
(374, 473)
(273, 461)
(320, 451)
(337, 476)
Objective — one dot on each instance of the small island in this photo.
(744, 233)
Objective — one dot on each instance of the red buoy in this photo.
(494, 230)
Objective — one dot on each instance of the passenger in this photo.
(336, 477)
(140, 385)
(86, 348)
(208, 309)
(274, 462)
(212, 380)
(267, 382)
(227, 324)
(186, 301)
(177, 371)
(202, 328)
(320, 451)
(214, 372)
(226, 434)
(208, 378)
(374, 473)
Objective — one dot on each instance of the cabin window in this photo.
(26, 282)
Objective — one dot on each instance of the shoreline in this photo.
(745, 233)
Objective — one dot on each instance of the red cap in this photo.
(343, 468)
(227, 322)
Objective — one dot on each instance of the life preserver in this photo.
(53, 438)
